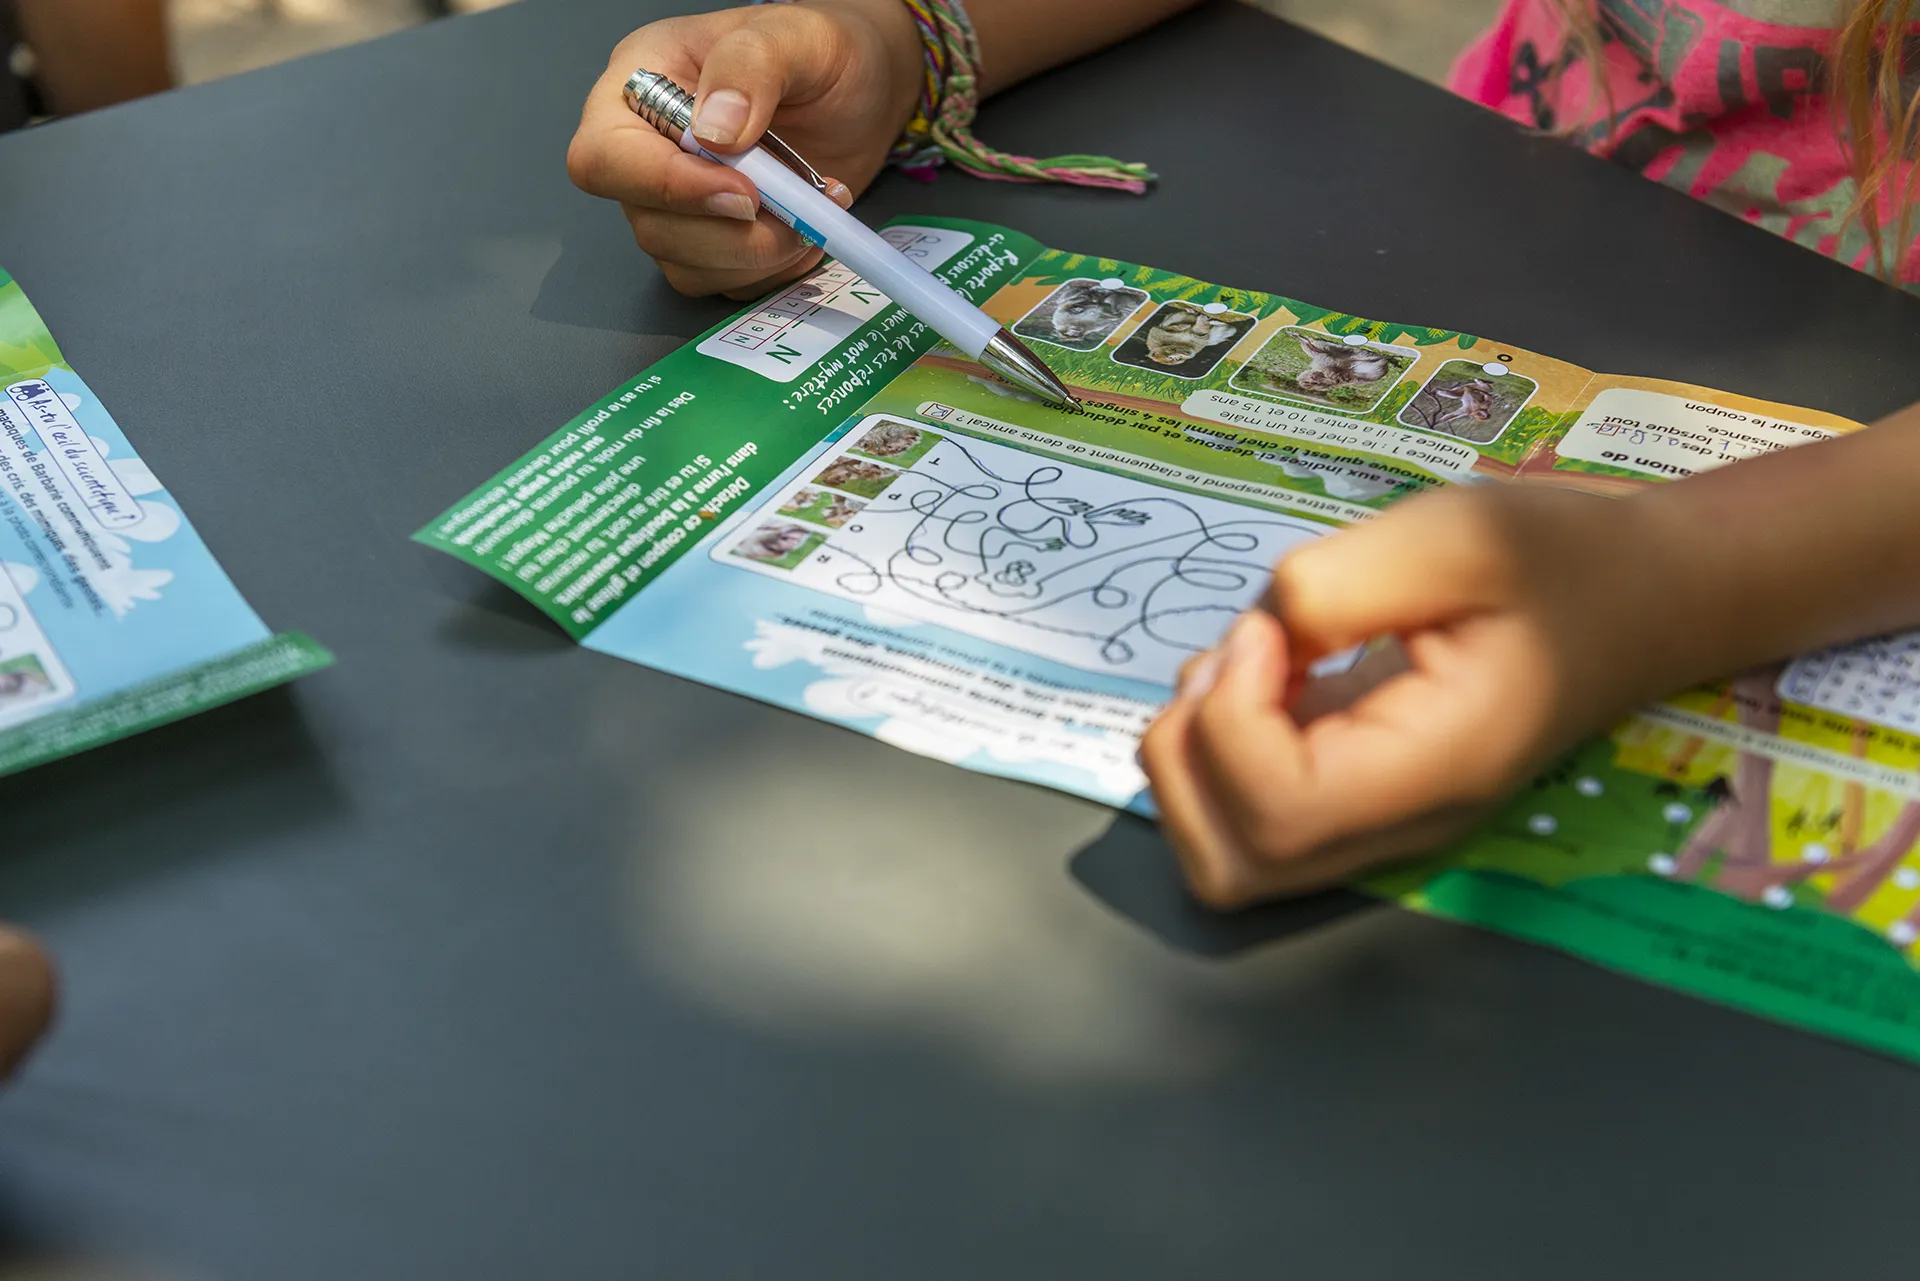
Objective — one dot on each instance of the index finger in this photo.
(1425, 741)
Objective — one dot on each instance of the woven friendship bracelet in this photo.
(941, 131)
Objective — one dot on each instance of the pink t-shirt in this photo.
(1722, 101)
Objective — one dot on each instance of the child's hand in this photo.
(26, 997)
(1522, 618)
(839, 79)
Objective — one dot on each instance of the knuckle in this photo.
(586, 162)
(794, 26)
(1217, 885)
(1289, 590)
(632, 49)
(1214, 719)
(1486, 780)
(751, 49)
(686, 281)
(798, 267)
(1274, 841)
(646, 232)
(766, 249)
(1483, 540)
(1154, 746)
(677, 189)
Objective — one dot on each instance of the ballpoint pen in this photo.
(791, 191)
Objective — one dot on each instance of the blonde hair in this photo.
(1876, 118)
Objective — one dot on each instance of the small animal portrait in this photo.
(1081, 314)
(1462, 399)
(841, 510)
(822, 507)
(22, 680)
(802, 501)
(901, 444)
(1322, 370)
(1333, 364)
(780, 545)
(1184, 339)
(857, 476)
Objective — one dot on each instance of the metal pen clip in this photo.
(669, 108)
(779, 150)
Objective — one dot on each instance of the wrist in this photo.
(896, 52)
(1695, 618)
(1610, 571)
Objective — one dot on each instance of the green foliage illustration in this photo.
(27, 350)
(1056, 268)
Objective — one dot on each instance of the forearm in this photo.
(1786, 553)
(1022, 38)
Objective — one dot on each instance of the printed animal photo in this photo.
(1081, 314)
(822, 507)
(857, 476)
(1184, 339)
(779, 545)
(22, 680)
(901, 444)
(1320, 369)
(1464, 400)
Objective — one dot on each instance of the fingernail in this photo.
(731, 204)
(721, 116)
(840, 194)
(1200, 680)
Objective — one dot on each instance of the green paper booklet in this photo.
(114, 616)
(817, 505)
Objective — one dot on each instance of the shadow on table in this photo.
(490, 616)
(21, 1254)
(226, 779)
(602, 281)
(1131, 870)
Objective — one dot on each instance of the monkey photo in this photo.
(1462, 399)
(22, 680)
(822, 507)
(1184, 339)
(1323, 370)
(1081, 314)
(779, 545)
(901, 444)
(857, 476)
(840, 509)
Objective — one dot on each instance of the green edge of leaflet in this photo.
(245, 672)
(1787, 966)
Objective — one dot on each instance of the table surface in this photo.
(481, 955)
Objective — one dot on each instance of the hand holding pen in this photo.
(787, 186)
(844, 76)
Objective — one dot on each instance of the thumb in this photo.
(750, 71)
(1427, 561)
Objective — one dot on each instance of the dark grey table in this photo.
(483, 956)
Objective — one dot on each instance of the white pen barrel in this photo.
(790, 198)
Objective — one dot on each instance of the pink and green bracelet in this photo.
(941, 131)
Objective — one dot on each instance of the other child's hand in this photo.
(26, 997)
(1522, 626)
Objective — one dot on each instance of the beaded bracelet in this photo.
(941, 130)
